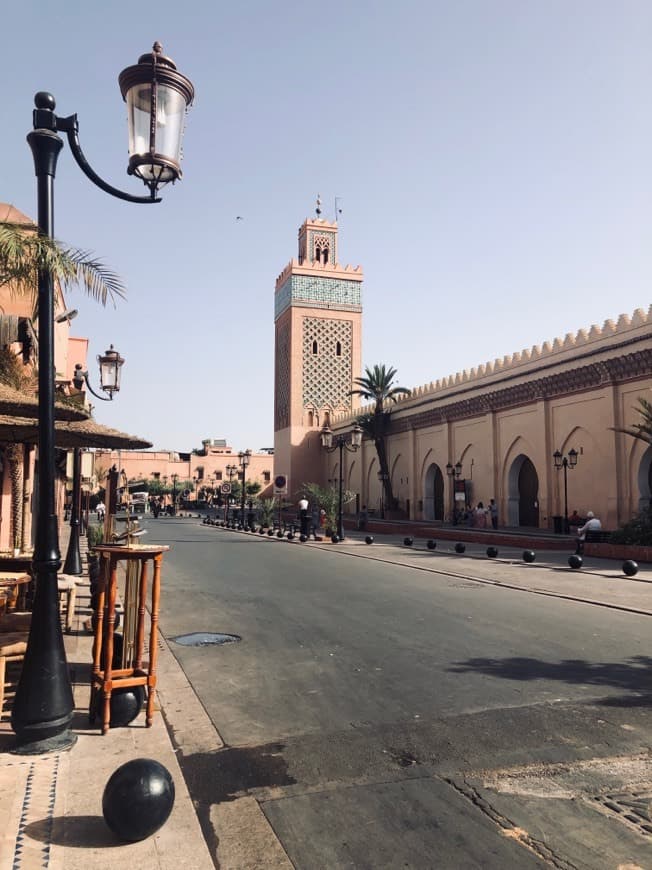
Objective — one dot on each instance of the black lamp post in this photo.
(332, 442)
(453, 472)
(110, 365)
(245, 458)
(175, 477)
(565, 462)
(157, 97)
(231, 470)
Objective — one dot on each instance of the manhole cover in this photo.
(633, 808)
(205, 638)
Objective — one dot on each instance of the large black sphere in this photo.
(126, 704)
(270, 532)
(630, 567)
(431, 545)
(303, 538)
(279, 534)
(460, 548)
(529, 555)
(335, 539)
(290, 536)
(138, 799)
(408, 542)
(369, 539)
(575, 561)
(261, 531)
(492, 552)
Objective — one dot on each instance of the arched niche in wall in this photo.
(520, 486)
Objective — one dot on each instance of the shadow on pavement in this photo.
(77, 832)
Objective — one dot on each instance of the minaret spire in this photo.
(318, 209)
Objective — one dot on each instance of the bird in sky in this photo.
(238, 218)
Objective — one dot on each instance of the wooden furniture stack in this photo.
(145, 560)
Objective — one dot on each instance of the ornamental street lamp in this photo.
(175, 477)
(565, 462)
(43, 705)
(110, 365)
(231, 470)
(245, 458)
(453, 472)
(330, 443)
(382, 477)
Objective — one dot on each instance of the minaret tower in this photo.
(318, 325)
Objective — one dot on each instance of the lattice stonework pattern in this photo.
(327, 373)
(282, 391)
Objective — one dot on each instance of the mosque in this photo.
(499, 424)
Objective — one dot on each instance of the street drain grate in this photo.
(634, 808)
(205, 638)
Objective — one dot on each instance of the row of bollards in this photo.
(575, 561)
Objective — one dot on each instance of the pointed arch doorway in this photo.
(433, 496)
(523, 493)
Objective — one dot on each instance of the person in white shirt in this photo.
(303, 514)
(592, 524)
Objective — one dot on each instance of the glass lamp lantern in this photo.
(356, 436)
(326, 437)
(110, 369)
(157, 98)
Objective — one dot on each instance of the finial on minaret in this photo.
(318, 209)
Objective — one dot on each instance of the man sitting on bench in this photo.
(592, 524)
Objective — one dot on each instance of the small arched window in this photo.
(338, 348)
(311, 418)
(318, 254)
(314, 347)
(327, 418)
(325, 256)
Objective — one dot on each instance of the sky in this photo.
(491, 160)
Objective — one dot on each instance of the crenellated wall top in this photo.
(560, 350)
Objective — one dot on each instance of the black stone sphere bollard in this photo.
(279, 534)
(369, 539)
(460, 548)
(575, 561)
(432, 545)
(335, 539)
(290, 536)
(408, 541)
(492, 552)
(303, 538)
(270, 533)
(126, 703)
(138, 799)
(630, 568)
(529, 555)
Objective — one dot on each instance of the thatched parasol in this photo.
(13, 402)
(81, 433)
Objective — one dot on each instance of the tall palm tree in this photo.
(377, 385)
(643, 429)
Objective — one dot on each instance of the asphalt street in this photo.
(366, 702)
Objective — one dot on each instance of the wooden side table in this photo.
(105, 678)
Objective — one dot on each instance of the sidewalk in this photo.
(51, 805)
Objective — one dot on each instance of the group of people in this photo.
(480, 516)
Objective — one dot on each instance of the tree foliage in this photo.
(24, 252)
(377, 385)
(326, 499)
(643, 429)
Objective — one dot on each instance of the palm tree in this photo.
(23, 252)
(377, 386)
(642, 430)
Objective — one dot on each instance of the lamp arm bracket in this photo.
(70, 126)
(84, 375)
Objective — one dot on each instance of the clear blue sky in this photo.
(492, 159)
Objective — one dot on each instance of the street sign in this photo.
(280, 484)
(225, 488)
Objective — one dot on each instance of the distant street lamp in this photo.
(453, 472)
(231, 470)
(330, 443)
(157, 97)
(245, 458)
(565, 462)
(175, 477)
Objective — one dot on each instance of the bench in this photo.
(596, 536)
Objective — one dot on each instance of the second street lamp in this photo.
(245, 458)
(42, 711)
(453, 472)
(565, 462)
(332, 442)
(231, 470)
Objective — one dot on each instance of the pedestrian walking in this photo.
(303, 506)
(493, 513)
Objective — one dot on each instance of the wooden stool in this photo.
(67, 583)
(13, 646)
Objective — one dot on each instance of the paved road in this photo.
(388, 717)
